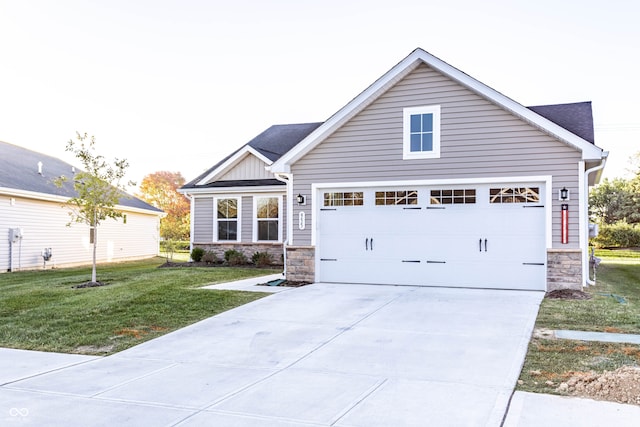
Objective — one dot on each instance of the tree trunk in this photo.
(95, 246)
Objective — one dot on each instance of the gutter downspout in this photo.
(286, 178)
(585, 254)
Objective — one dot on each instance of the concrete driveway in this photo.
(320, 355)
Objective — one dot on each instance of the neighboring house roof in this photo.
(269, 146)
(19, 171)
(411, 62)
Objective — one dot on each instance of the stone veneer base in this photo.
(301, 263)
(564, 269)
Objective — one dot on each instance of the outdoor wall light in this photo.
(563, 194)
(301, 199)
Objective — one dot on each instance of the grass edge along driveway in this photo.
(39, 310)
(552, 361)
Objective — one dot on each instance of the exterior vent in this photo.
(40, 168)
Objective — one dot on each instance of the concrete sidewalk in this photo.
(535, 410)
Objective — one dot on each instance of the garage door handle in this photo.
(485, 245)
(372, 243)
(366, 244)
(480, 245)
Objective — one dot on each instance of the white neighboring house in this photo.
(33, 218)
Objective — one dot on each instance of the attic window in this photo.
(421, 132)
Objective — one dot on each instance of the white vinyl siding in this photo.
(44, 225)
(478, 139)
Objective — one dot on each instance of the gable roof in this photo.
(19, 171)
(419, 56)
(268, 146)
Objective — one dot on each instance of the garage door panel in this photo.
(474, 243)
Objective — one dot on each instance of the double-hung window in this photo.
(267, 219)
(227, 214)
(421, 132)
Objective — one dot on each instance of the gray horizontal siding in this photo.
(478, 139)
(203, 219)
(247, 219)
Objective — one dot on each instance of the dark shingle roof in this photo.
(273, 143)
(576, 117)
(19, 171)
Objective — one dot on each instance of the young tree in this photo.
(160, 190)
(98, 188)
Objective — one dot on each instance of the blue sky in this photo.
(178, 84)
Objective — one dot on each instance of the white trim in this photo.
(231, 162)
(546, 179)
(583, 194)
(434, 110)
(588, 150)
(254, 222)
(212, 191)
(215, 218)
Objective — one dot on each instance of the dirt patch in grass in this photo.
(567, 294)
(621, 385)
(94, 350)
(89, 285)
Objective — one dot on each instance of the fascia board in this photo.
(201, 192)
(12, 192)
(231, 162)
(588, 150)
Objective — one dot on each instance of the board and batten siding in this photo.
(478, 139)
(44, 225)
(250, 167)
(204, 217)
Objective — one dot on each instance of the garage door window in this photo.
(409, 197)
(453, 197)
(344, 199)
(514, 195)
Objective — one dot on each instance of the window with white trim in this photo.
(421, 132)
(267, 218)
(227, 214)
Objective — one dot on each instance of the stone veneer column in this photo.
(301, 263)
(564, 269)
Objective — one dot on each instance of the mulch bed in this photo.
(288, 283)
(567, 294)
(171, 264)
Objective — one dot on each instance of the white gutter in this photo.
(286, 178)
(585, 249)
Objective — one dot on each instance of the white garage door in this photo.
(487, 236)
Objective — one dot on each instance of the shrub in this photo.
(197, 254)
(618, 235)
(262, 259)
(210, 258)
(234, 257)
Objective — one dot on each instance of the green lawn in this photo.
(39, 310)
(614, 307)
